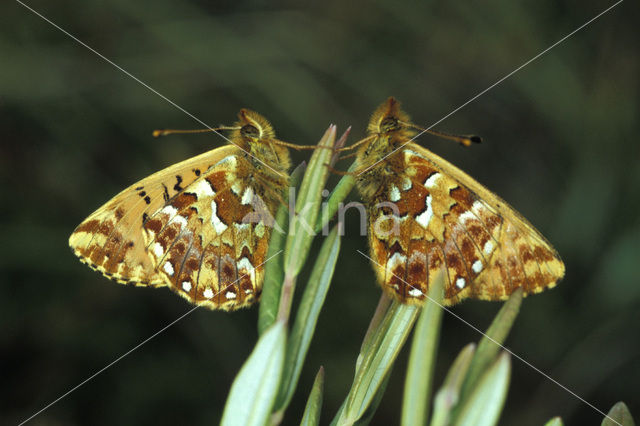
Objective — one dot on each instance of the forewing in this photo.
(210, 241)
(111, 239)
(444, 218)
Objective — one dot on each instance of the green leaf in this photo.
(273, 276)
(417, 385)
(367, 416)
(449, 393)
(383, 306)
(307, 205)
(311, 416)
(556, 421)
(273, 269)
(385, 344)
(334, 202)
(619, 413)
(491, 342)
(485, 402)
(307, 317)
(254, 389)
(339, 414)
(369, 413)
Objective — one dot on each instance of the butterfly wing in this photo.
(443, 217)
(111, 239)
(209, 242)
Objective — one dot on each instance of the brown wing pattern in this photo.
(442, 217)
(201, 226)
(197, 243)
(110, 240)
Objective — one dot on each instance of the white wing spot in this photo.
(247, 197)
(414, 292)
(169, 211)
(259, 230)
(180, 220)
(477, 207)
(464, 217)
(203, 189)
(231, 159)
(477, 266)
(208, 293)
(215, 220)
(431, 180)
(396, 259)
(406, 184)
(394, 194)
(158, 250)
(242, 227)
(186, 286)
(425, 217)
(488, 247)
(460, 283)
(236, 187)
(245, 265)
(230, 295)
(168, 268)
(248, 291)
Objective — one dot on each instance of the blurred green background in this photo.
(560, 144)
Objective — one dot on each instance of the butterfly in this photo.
(200, 227)
(425, 215)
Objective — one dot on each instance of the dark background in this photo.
(560, 144)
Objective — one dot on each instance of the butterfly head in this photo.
(254, 134)
(389, 128)
(251, 127)
(389, 119)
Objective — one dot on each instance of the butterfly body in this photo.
(201, 226)
(425, 215)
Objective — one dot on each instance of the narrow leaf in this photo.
(307, 206)
(307, 317)
(369, 413)
(339, 415)
(556, 421)
(485, 402)
(386, 342)
(449, 393)
(367, 416)
(383, 306)
(311, 416)
(417, 385)
(254, 389)
(273, 276)
(618, 415)
(337, 196)
(273, 269)
(491, 342)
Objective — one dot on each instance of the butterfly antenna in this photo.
(344, 157)
(294, 146)
(465, 140)
(341, 172)
(158, 133)
(357, 144)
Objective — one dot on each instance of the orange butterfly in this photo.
(425, 213)
(200, 227)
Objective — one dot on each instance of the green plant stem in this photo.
(274, 270)
(306, 319)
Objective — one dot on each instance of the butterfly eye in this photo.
(250, 131)
(389, 124)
